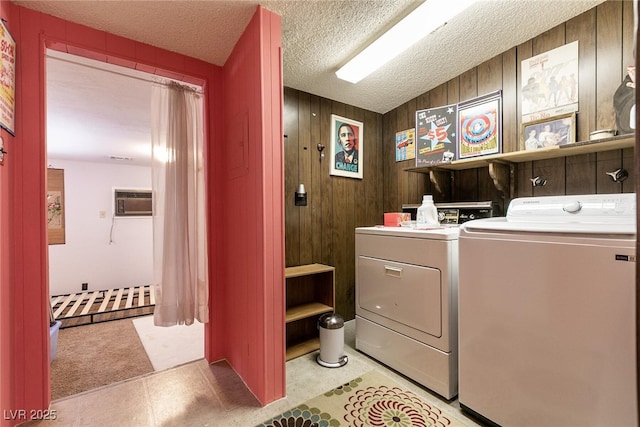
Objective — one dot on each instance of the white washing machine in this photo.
(547, 332)
(406, 302)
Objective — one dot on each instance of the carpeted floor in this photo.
(372, 399)
(96, 355)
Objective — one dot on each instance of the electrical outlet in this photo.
(85, 286)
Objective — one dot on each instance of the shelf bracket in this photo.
(502, 175)
(440, 181)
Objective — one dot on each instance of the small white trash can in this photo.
(331, 327)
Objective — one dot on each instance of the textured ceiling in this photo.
(318, 36)
(95, 112)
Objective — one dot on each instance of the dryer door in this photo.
(403, 293)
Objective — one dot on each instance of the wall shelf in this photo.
(306, 270)
(306, 310)
(501, 166)
(585, 147)
(303, 348)
(309, 293)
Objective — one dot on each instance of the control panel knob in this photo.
(572, 207)
(472, 216)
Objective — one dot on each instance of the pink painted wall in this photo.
(24, 332)
(6, 294)
(251, 172)
(27, 285)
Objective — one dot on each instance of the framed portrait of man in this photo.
(346, 147)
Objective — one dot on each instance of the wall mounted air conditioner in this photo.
(133, 203)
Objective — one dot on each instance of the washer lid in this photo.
(590, 208)
(501, 224)
(591, 213)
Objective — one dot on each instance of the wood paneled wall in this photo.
(323, 232)
(605, 39)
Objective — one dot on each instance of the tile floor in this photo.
(199, 394)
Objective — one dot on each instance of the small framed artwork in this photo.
(7, 80)
(346, 147)
(405, 145)
(55, 206)
(549, 132)
(480, 126)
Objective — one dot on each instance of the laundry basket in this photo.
(53, 337)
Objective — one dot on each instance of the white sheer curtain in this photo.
(179, 233)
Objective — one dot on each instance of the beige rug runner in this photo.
(172, 346)
(95, 355)
(369, 400)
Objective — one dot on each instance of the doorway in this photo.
(99, 133)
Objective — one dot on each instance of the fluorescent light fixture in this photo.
(426, 18)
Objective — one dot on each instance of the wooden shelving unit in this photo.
(303, 348)
(501, 166)
(309, 294)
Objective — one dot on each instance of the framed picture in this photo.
(55, 206)
(7, 80)
(550, 83)
(480, 126)
(436, 135)
(549, 132)
(346, 147)
(405, 145)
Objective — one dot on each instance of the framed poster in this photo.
(55, 206)
(559, 130)
(480, 126)
(405, 145)
(436, 133)
(7, 80)
(346, 147)
(550, 83)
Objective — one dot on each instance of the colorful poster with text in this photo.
(436, 135)
(7, 80)
(405, 145)
(480, 126)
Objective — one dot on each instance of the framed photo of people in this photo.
(549, 132)
(480, 126)
(550, 83)
(346, 147)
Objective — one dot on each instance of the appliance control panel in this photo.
(457, 212)
(462, 215)
(588, 208)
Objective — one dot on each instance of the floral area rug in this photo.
(369, 400)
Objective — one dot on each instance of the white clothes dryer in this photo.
(407, 300)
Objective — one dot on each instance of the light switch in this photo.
(103, 214)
